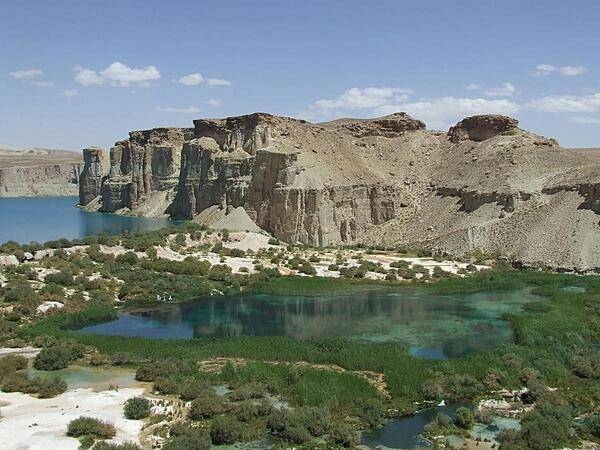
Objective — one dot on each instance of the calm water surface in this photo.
(47, 218)
(431, 325)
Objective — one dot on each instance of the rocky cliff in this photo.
(38, 172)
(485, 185)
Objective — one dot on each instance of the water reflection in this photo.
(433, 326)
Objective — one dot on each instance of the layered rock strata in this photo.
(39, 172)
(486, 185)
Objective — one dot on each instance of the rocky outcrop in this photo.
(487, 185)
(480, 128)
(39, 172)
(93, 174)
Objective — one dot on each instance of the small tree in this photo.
(464, 418)
(137, 408)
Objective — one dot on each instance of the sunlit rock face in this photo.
(485, 185)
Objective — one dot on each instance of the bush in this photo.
(60, 278)
(345, 436)
(464, 418)
(372, 412)
(546, 427)
(103, 445)
(53, 358)
(137, 408)
(15, 382)
(90, 426)
(226, 430)
(248, 391)
(47, 388)
(12, 363)
(296, 433)
(166, 386)
(130, 258)
(207, 405)
(592, 426)
(183, 437)
(193, 389)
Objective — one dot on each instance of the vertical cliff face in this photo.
(38, 172)
(486, 184)
(95, 168)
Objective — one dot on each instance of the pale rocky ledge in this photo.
(485, 185)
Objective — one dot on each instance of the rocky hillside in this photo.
(38, 172)
(485, 185)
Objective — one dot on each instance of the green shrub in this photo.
(208, 405)
(166, 386)
(193, 389)
(464, 418)
(130, 258)
(591, 426)
(226, 430)
(248, 391)
(53, 358)
(60, 278)
(345, 435)
(47, 388)
(372, 412)
(317, 420)
(15, 382)
(546, 427)
(12, 363)
(137, 408)
(90, 426)
(183, 437)
(103, 445)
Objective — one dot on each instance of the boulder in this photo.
(480, 128)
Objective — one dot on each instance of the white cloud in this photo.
(567, 103)
(217, 82)
(42, 83)
(88, 77)
(356, 98)
(121, 75)
(547, 69)
(117, 74)
(189, 110)
(27, 73)
(70, 93)
(215, 102)
(505, 90)
(192, 79)
(585, 120)
(472, 87)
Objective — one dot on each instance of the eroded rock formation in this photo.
(485, 185)
(39, 172)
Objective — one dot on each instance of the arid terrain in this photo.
(38, 172)
(484, 186)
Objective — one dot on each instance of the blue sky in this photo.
(80, 73)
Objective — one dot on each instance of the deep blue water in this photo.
(43, 219)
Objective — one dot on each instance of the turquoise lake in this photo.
(432, 326)
(42, 219)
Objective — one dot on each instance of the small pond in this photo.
(97, 378)
(430, 325)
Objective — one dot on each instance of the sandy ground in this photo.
(29, 423)
(27, 352)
